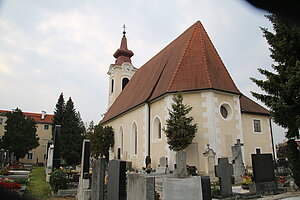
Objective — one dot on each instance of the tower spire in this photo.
(123, 54)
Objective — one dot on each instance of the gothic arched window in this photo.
(134, 139)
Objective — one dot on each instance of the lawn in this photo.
(38, 188)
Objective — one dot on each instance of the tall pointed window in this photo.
(156, 128)
(112, 86)
(134, 139)
(124, 82)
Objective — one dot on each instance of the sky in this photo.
(52, 46)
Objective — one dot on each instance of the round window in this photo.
(224, 112)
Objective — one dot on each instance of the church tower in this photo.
(121, 72)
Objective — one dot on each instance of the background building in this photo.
(44, 129)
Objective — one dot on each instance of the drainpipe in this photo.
(274, 153)
(149, 125)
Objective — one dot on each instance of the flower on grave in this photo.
(9, 183)
(246, 179)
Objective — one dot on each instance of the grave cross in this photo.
(224, 171)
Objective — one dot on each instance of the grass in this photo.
(38, 188)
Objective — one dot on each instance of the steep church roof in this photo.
(188, 63)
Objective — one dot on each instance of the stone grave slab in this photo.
(116, 180)
(237, 161)
(98, 176)
(182, 188)
(224, 171)
(264, 175)
(140, 186)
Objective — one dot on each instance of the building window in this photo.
(46, 127)
(257, 125)
(134, 139)
(29, 156)
(124, 82)
(112, 86)
(226, 111)
(1, 120)
(157, 128)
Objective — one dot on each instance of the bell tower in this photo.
(121, 72)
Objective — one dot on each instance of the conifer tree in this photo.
(179, 129)
(20, 134)
(282, 86)
(72, 131)
(59, 112)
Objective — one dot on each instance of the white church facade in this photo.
(139, 100)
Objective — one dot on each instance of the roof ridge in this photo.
(214, 49)
(205, 60)
(184, 53)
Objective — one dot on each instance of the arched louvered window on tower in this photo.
(125, 80)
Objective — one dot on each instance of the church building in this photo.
(139, 100)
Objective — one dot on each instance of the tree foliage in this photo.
(282, 86)
(20, 134)
(89, 131)
(179, 128)
(101, 141)
(59, 112)
(294, 160)
(72, 130)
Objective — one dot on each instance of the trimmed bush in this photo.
(58, 180)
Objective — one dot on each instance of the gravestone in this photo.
(116, 180)
(264, 175)
(2, 158)
(140, 186)
(163, 165)
(237, 161)
(49, 162)
(56, 150)
(210, 163)
(84, 191)
(224, 171)
(206, 188)
(182, 188)
(7, 158)
(98, 176)
(181, 164)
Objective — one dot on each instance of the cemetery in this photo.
(96, 179)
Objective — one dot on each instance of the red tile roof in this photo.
(249, 106)
(35, 116)
(188, 63)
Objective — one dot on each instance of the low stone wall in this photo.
(140, 186)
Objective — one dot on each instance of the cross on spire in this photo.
(124, 29)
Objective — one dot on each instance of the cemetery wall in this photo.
(253, 140)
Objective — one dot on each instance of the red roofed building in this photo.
(190, 64)
(44, 132)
